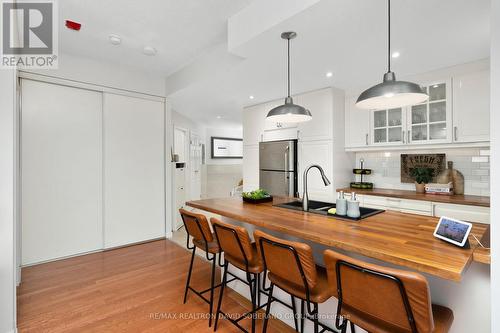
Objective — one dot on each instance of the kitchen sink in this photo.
(320, 207)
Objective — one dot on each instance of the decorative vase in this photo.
(420, 188)
(454, 176)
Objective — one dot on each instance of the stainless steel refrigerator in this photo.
(278, 167)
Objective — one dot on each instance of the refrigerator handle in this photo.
(287, 149)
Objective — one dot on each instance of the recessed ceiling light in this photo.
(435, 86)
(396, 54)
(329, 74)
(115, 39)
(251, 97)
(149, 50)
(220, 117)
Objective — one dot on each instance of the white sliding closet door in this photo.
(134, 187)
(61, 171)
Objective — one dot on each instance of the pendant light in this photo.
(391, 93)
(289, 112)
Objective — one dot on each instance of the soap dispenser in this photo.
(353, 207)
(341, 204)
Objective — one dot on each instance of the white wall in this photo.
(7, 232)
(386, 168)
(106, 74)
(495, 163)
(225, 132)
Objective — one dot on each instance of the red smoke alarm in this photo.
(73, 25)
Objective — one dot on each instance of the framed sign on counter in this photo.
(227, 147)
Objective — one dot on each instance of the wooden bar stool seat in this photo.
(240, 252)
(211, 246)
(198, 229)
(291, 267)
(320, 293)
(255, 264)
(381, 299)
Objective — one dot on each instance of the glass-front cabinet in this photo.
(388, 126)
(425, 123)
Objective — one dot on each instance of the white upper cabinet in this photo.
(253, 124)
(357, 125)
(471, 107)
(320, 104)
(457, 111)
(430, 122)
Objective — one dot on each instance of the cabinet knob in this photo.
(366, 139)
(455, 133)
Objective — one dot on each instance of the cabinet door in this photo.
(134, 156)
(388, 126)
(320, 104)
(321, 153)
(471, 107)
(357, 124)
(61, 171)
(254, 118)
(250, 168)
(430, 122)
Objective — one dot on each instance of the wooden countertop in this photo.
(398, 238)
(472, 200)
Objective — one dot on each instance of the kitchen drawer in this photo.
(400, 205)
(463, 212)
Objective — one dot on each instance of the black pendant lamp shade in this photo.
(391, 93)
(289, 112)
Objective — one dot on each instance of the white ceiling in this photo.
(178, 29)
(346, 37)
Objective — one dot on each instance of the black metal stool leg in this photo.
(302, 315)
(223, 285)
(253, 291)
(294, 309)
(315, 318)
(189, 275)
(353, 328)
(268, 308)
(212, 281)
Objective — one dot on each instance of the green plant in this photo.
(422, 175)
(257, 194)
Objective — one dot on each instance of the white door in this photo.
(195, 166)
(60, 171)
(181, 192)
(134, 168)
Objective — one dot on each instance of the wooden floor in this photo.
(133, 289)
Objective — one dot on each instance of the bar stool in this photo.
(381, 299)
(198, 228)
(240, 252)
(291, 267)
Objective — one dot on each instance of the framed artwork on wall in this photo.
(227, 147)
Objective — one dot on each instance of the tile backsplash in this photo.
(473, 163)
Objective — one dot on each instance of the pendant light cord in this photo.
(288, 67)
(388, 35)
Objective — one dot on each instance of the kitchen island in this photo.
(395, 239)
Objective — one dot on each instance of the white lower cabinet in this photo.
(427, 208)
(463, 212)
